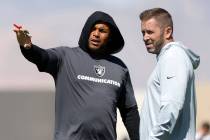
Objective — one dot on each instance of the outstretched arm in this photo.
(46, 60)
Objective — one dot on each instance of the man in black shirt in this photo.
(90, 82)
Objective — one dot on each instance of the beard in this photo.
(157, 44)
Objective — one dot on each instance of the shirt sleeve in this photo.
(174, 74)
(131, 121)
(127, 98)
(128, 109)
(46, 60)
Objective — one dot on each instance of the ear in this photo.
(168, 32)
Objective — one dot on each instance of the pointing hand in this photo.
(23, 37)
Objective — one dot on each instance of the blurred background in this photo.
(27, 96)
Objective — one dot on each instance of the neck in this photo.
(164, 44)
(97, 54)
(168, 41)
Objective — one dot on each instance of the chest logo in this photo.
(99, 70)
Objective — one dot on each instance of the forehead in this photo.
(150, 24)
(101, 25)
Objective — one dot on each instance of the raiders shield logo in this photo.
(99, 70)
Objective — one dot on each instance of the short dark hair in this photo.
(159, 14)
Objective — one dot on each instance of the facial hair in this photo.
(158, 44)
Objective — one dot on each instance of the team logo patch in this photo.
(99, 70)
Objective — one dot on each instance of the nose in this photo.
(96, 33)
(145, 37)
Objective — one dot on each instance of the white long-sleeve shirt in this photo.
(169, 107)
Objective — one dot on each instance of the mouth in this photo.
(148, 44)
(95, 42)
